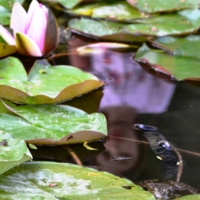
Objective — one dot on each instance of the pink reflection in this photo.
(131, 85)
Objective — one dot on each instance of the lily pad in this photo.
(103, 30)
(189, 197)
(70, 4)
(181, 67)
(179, 23)
(45, 83)
(9, 4)
(153, 6)
(53, 124)
(4, 16)
(12, 152)
(115, 11)
(179, 46)
(48, 180)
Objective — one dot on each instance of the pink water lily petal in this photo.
(45, 10)
(31, 11)
(37, 28)
(9, 39)
(26, 46)
(18, 18)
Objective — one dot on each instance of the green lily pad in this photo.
(12, 152)
(179, 23)
(4, 16)
(9, 4)
(179, 46)
(45, 83)
(48, 180)
(116, 11)
(70, 4)
(153, 6)
(53, 124)
(189, 197)
(103, 30)
(181, 67)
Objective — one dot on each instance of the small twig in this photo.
(75, 157)
(180, 166)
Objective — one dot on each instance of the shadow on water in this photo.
(132, 95)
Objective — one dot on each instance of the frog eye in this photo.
(144, 127)
(164, 144)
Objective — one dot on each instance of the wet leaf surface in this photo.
(180, 46)
(178, 66)
(51, 124)
(48, 180)
(45, 83)
(9, 4)
(4, 15)
(179, 23)
(189, 197)
(120, 10)
(13, 152)
(70, 4)
(152, 6)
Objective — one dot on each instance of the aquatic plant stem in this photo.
(75, 157)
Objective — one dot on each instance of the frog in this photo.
(168, 189)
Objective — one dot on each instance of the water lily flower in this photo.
(34, 32)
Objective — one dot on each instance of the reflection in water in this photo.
(163, 149)
(132, 95)
(131, 85)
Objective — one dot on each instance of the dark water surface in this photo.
(132, 95)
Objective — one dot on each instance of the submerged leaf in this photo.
(45, 83)
(53, 124)
(12, 152)
(49, 180)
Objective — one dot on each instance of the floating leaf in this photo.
(9, 4)
(152, 6)
(4, 16)
(45, 83)
(69, 4)
(181, 67)
(180, 23)
(179, 46)
(49, 180)
(104, 30)
(12, 152)
(53, 124)
(189, 197)
(120, 10)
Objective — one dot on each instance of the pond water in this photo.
(132, 95)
